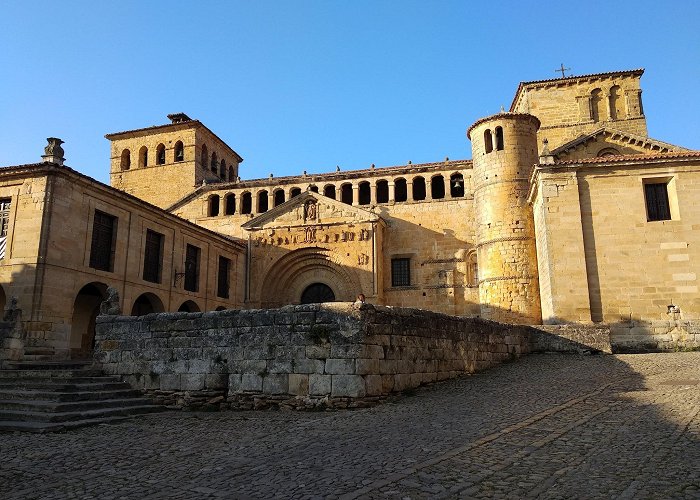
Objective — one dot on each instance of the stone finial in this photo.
(53, 152)
(546, 156)
(110, 306)
(337, 168)
(410, 162)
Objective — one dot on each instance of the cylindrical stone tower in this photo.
(504, 150)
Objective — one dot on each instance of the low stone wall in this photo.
(672, 334)
(331, 355)
(571, 338)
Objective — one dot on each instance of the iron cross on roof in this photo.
(562, 69)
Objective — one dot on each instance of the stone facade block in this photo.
(348, 385)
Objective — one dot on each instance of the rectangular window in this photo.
(104, 230)
(153, 257)
(223, 285)
(5, 204)
(656, 196)
(192, 268)
(401, 272)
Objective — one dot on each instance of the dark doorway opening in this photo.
(317, 293)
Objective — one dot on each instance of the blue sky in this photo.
(308, 85)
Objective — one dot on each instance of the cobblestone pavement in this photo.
(547, 426)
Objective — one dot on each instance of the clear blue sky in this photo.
(308, 85)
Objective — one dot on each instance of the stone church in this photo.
(567, 213)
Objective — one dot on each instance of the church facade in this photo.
(567, 213)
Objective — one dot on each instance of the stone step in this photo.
(41, 427)
(54, 407)
(69, 416)
(91, 384)
(49, 395)
(70, 364)
(53, 374)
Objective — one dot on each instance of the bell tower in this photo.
(504, 150)
(164, 163)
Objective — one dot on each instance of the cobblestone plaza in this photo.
(547, 426)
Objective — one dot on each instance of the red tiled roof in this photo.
(630, 158)
(502, 115)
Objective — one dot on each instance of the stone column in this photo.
(392, 192)
(355, 194)
(373, 192)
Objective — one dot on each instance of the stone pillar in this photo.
(355, 194)
(505, 229)
(409, 189)
(373, 192)
(428, 188)
(392, 192)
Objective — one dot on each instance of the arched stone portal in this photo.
(317, 293)
(292, 274)
(147, 303)
(85, 310)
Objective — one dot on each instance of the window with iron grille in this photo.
(104, 230)
(401, 272)
(153, 257)
(222, 287)
(656, 195)
(5, 204)
(192, 268)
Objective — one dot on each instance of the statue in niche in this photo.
(110, 306)
(12, 312)
(310, 210)
(362, 259)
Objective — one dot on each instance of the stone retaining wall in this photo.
(334, 355)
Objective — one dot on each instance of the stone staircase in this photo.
(49, 396)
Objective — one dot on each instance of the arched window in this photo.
(262, 201)
(329, 190)
(204, 159)
(346, 193)
(364, 193)
(313, 188)
(456, 185)
(294, 192)
(400, 190)
(213, 205)
(279, 196)
(222, 170)
(597, 111)
(179, 151)
(437, 187)
(230, 174)
(608, 152)
(214, 165)
(126, 160)
(246, 203)
(473, 269)
(418, 188)
(499, 138)
(143, 156)
(488, 141)
(160, 155)
(616, 110)
(382, 191)
(230, 204)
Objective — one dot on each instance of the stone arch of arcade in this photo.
(287, 279)
(86, 307)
